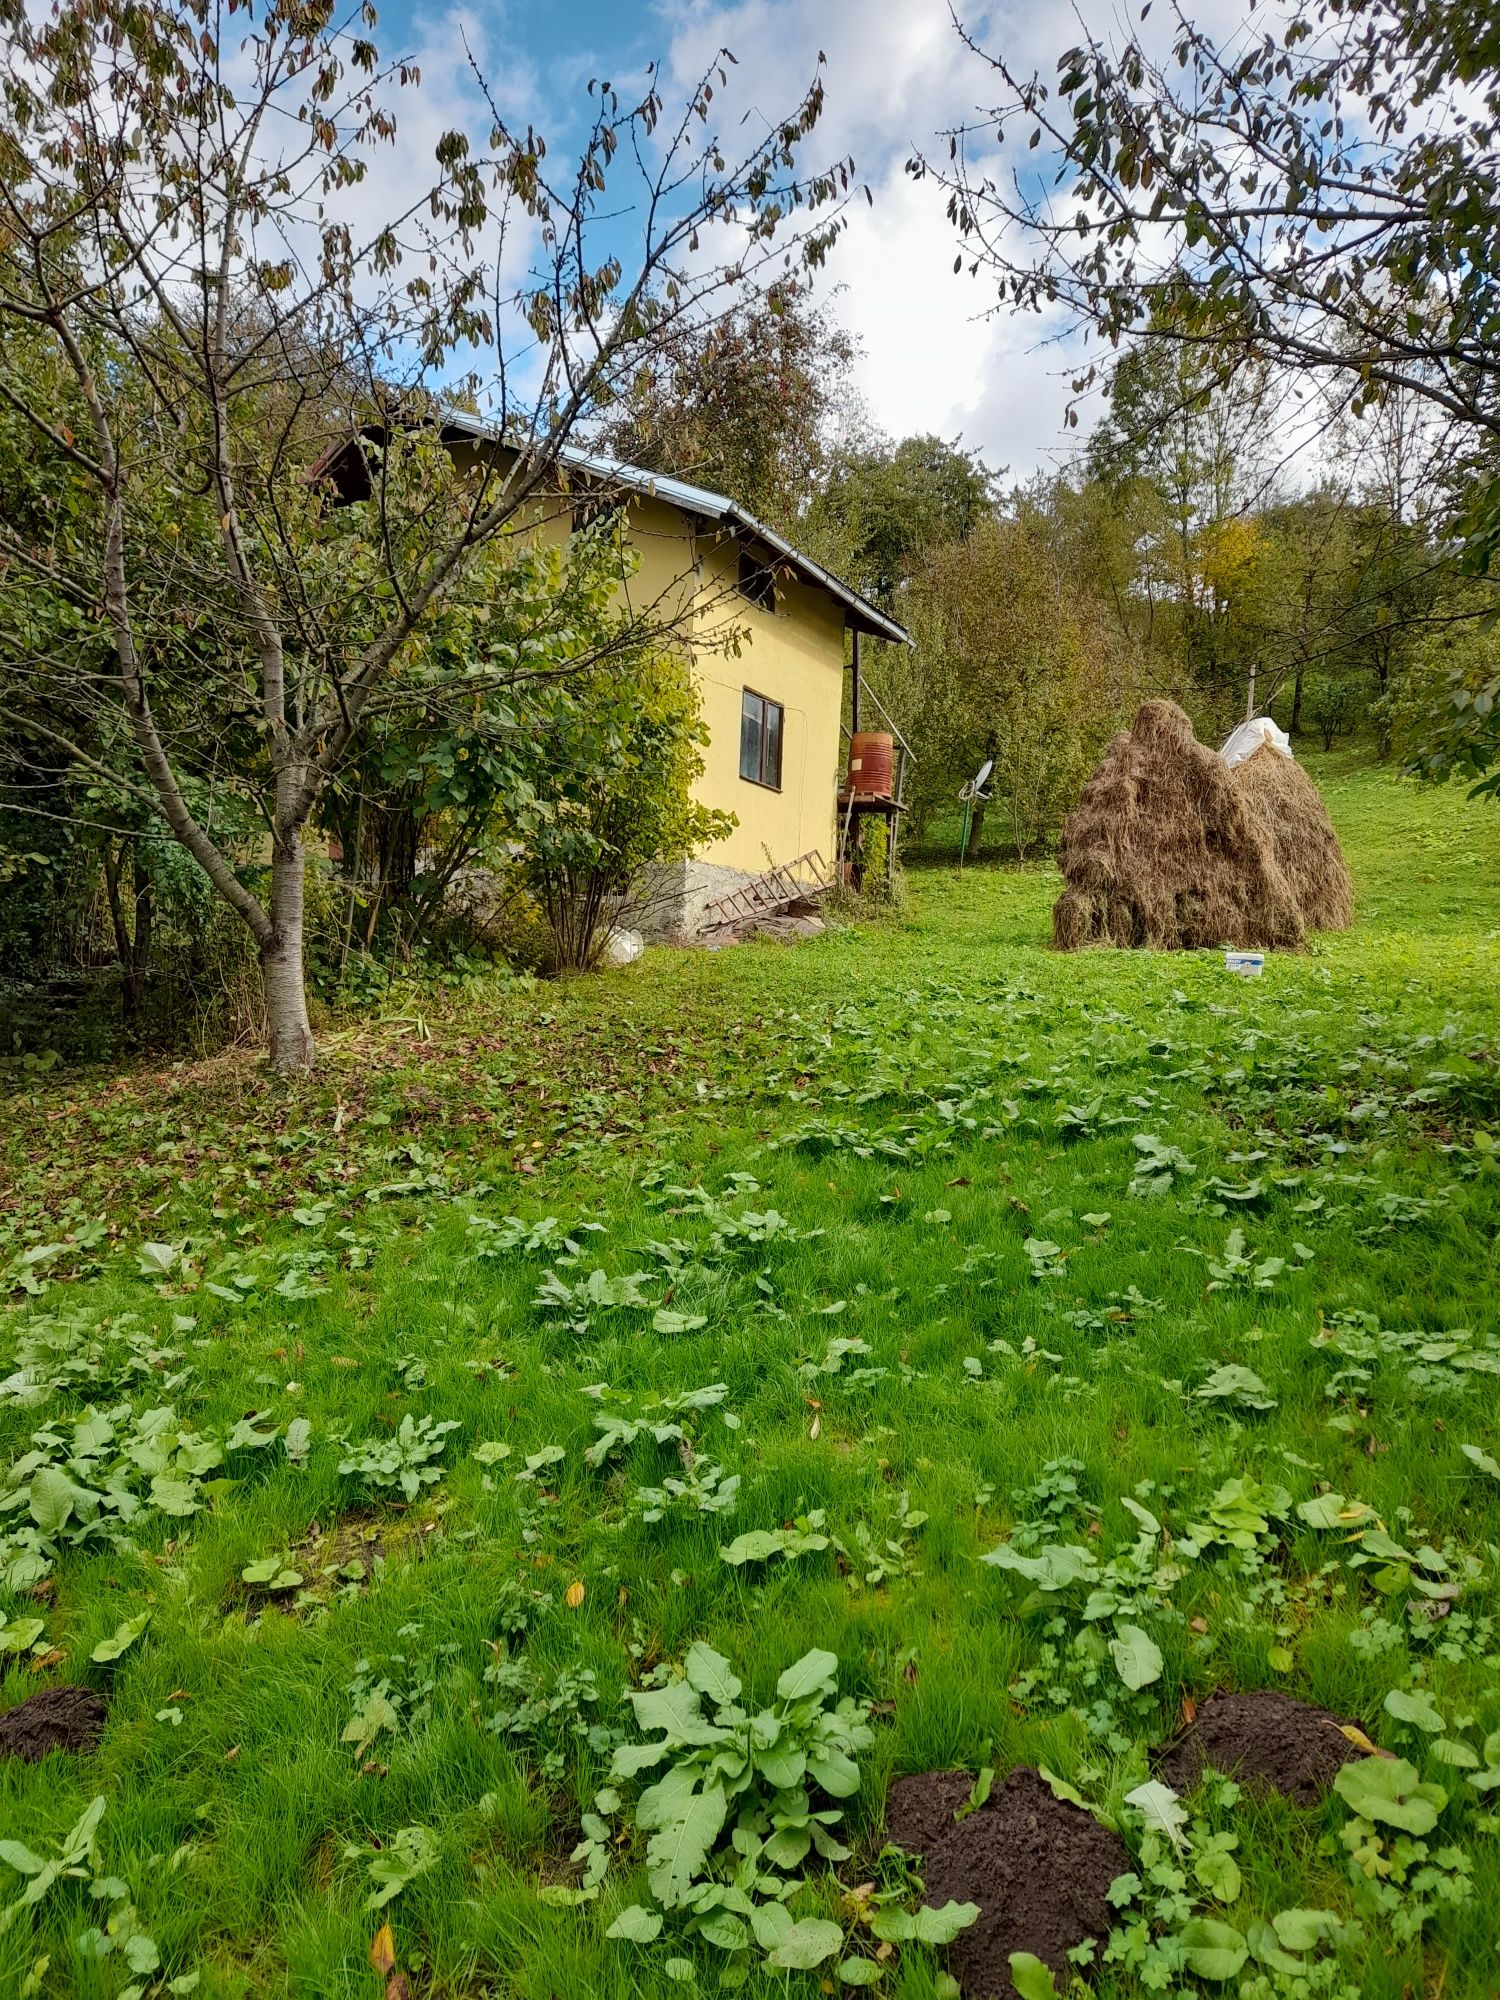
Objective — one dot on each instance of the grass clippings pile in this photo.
(1269, 1741)
(1165, 850)
(1296, 823)
(1038, 1868)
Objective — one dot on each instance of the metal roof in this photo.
(706, 506)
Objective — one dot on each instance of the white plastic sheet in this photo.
(1252, 736)
(622, 948)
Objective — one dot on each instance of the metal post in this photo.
(854, 689)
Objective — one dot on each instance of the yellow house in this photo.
(763, 626)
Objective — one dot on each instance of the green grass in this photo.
(895, 1092)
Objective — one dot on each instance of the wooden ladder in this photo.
(801, 881)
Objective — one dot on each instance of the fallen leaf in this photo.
(574, 1595)
(1199, 1625)
(1189, 1711)
(383, 1950)
(1362, 1742)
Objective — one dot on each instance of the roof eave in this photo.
(859, 614)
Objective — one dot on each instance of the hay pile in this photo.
(1295, 821)
(1166, 850)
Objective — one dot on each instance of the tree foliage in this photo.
(744, 403)
(186, 236)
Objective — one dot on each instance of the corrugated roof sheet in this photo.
(708, 506)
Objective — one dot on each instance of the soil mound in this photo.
(1038, 1868)
(59, 1718)
(1291, 810)
(1166, 850)
(1266, 1740)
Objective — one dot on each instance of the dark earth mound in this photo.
(60, 1718)
(1038, 1868)
(1266, 1740)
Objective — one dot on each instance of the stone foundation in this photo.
(667, 906)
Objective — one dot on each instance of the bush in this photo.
(1331, 706)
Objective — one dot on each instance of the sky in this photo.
(935, 356)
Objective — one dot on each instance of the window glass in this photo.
(761, 724)
(751, 711)
(770, 763)
(757, 580)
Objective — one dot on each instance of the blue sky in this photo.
(934, 356)
(896, 73)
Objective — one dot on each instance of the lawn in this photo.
(414, 1409)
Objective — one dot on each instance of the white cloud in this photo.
(898, 75)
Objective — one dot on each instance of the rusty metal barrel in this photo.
(872, 758)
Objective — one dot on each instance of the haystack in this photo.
(1165, 850)
(1295, 820)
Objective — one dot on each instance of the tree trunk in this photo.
(132, 948)
(289, 1037)
(1295, 728)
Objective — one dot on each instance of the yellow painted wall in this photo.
(794, 655)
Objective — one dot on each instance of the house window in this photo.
(760, 740)
(757, 579)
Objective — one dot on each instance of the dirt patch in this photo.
(1266, 1740)
(1038, 1868)
(60, 1718)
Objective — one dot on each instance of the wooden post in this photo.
(854, 690)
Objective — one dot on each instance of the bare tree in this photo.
(185, 225)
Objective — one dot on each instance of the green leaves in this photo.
(1481, 1459)
(1235, 1388)
(637, 1925)
(271, 1573)
(759, 1776)
(688, 1822)
(1415, 1708)
(1160, 1810)
(1054, 1569)
(763, 1544)
(806, 1944)
(405, 1462)
(1211, 1949)
(1031, 1978)
(813, 1674)
(122, 1639)
(709, 1673)
(1389, 1791)
(75, 1856)
(19, 1635)
(157, 1260)
(1137, 1658)
(391, 1868)
(924, 1925)
(51, 1500)
(376, 1714)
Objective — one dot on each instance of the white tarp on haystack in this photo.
(1253, 736)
